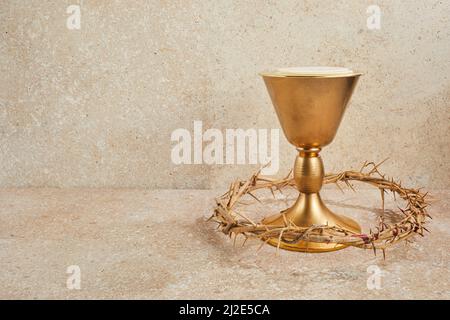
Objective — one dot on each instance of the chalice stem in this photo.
(309, 209)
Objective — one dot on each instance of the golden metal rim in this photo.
(308, 149)
(285, 75)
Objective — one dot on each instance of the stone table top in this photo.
(156, 244)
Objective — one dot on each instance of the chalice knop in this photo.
(310, 103)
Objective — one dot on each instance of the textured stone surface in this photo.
(156, 244)
(95, 107)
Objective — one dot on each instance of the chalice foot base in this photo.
(308, 210)
(307, 246)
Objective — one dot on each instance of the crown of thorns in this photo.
(234, 223)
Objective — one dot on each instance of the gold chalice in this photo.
(310, 103)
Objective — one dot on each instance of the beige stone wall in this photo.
(96, 106)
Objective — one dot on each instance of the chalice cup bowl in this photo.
(310, 103)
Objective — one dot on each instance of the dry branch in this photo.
(381, 236)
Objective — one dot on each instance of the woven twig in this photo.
(232, 222)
